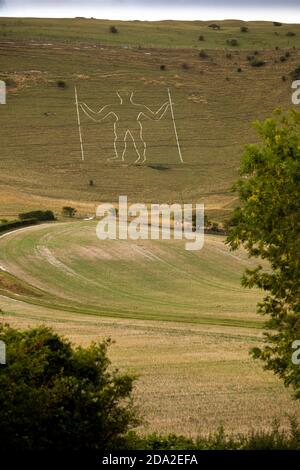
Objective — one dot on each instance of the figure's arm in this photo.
(145, 111)
(97, 116)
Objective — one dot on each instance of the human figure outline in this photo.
(123, 112)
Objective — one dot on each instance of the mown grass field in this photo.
(180, 319)
(145, 280)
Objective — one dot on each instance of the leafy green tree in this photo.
(56, 397)
(268, 225)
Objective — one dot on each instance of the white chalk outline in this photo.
(79, 125)
(146, 112)
(174, 125)
(2, 92)
(2, 353)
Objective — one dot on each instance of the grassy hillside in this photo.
(180, 320)
(157, 280)
(216, 97)
(166, 34)
(191, 377)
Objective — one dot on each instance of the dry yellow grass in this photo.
(192, 378)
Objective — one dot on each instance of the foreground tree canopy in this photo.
(53, 396)
(268, 225)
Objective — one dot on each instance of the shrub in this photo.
(232, 42)
(273, 439)
(54, 397)
(295, 74)
(61, 84)
(162, 67)
(287, 54)
(113, 29)
(203, 55)
(282, 58)
(255, 62)
(68, 211)
(283, 78)
(277, 23)
(214, 26)
(185, 66)
(228, 55)
(201, 38)
(4, 227)
(38, 215)
(239, 69)
(290, 33)
(244, 29)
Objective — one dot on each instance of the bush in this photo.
(113, 30)
(255, 62)
(185, 66)
(277, 23)
(162, 67)
(290, 33)
(232, 42)
(54, 397)
(68, 211)
(4, 227)
(214, 26)
(244, 29)
(275, 439)
(295, 74)
(203, 55)
(38, 215)
(201, 38)
(61, 84)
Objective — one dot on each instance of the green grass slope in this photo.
(67, 267)
(166, 34)
(216, 98)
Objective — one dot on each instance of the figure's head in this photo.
(125, 95)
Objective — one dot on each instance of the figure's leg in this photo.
(119, 144)
(139, 144)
